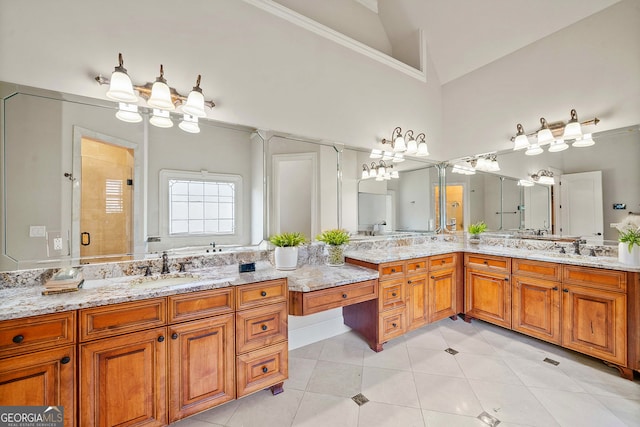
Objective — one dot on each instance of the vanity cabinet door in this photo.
(201, 365)
(43, 378)
(442, 294)
(488, 296)
(595, 323)
(123, 380)
(536, 307)
(417, 306)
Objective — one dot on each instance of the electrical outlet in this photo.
(57, 244)
(54, 243)
(37, 231)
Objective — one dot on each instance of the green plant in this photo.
(631, 237)
(477, 228)
(334, 237)
(288, 239)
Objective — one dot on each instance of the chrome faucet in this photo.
(165, 263)
(576, 245)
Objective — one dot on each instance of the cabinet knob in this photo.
(18, 339)
(160, 338)
(263, 293)
(486, 262)
(409, 281)
(394, 294)
(395, 325)
(442, 262)
(264, 327)
(344, 295)
(565, 290)
(555, 288)
(506, 279)
(393, 270)
(65, 360)
(174, 336)
(265, 369)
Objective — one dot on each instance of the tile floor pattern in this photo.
(414, 382)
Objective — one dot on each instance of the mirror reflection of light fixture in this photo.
(556, 135)
(375, 154)
(543, 176)
(525, 183)
(380, 171)
(398, 158)
(387, 155)
(463, 169)
(159, 97)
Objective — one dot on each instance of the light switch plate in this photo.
(37, 231)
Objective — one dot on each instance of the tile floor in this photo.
(414, 382)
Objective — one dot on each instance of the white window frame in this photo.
(167, 175)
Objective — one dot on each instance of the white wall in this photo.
(592, 66)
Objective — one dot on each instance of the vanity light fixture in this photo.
(160, 98)
(543, 176)
(464, 169)
(375, 154)
(407, 144)
(556, 135)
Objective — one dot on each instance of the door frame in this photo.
(137, 213)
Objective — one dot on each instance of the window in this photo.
(200, 203)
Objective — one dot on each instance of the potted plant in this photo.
(474, 231)
(335, 239)
(286, 253)
(629, 245)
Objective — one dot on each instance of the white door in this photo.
(581, 205)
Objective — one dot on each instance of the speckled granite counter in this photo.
(379, 256)
(20, 302)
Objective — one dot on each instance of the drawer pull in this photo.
(394, 294)
(486, 262)
(264, 327)
(555, 288)
(393, 270)
(433, 277)
(443, 261)
(160, 338)
(395, 325)
(18, 339)
(174, 336)
(344, 295)
(65, 360)
(263, 293)
(265, 369)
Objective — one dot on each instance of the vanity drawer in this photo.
(391, 270)
(261, 326)
(262, 368)
(197, 305)
(541, 269)
(34, 333)
(594, 278)
(392, 324)
(439, 262)
(417, 265)
(495, 263)
(392, 294)
(304, 303)
(121, 318)
(256, 294)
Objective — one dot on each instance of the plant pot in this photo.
(474, 239)
(335, 256)
(626, 257)
(286, 257)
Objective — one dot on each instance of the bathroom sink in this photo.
(162, 280)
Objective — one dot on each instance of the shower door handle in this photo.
(85, 238)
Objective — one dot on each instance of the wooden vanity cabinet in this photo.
(536, 299)
(38, 362)
(488, 289)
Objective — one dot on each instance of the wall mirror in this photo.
(403, 203)
(76, 178)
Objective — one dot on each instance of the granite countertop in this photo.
(20, 302)
(379, 256)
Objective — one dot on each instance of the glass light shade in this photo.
(412, 146)
(387, 155)
(395, 174)
(397, 158)
(195, 104)
(546, 180)
(544, 136)
(381, 170)
(128, 113)
(493, 166)
(387, 176)
(399, 146)
(558, 145)
(365, 174)
(375, 154)
(161, 97)
(423, 150)
(521, 142)
(525, 183)
(372, 173)
(379, 177)
(189, 124)
(120, 88)
(161, 119)
(534, 150)
(572, 130)
(585, 141)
